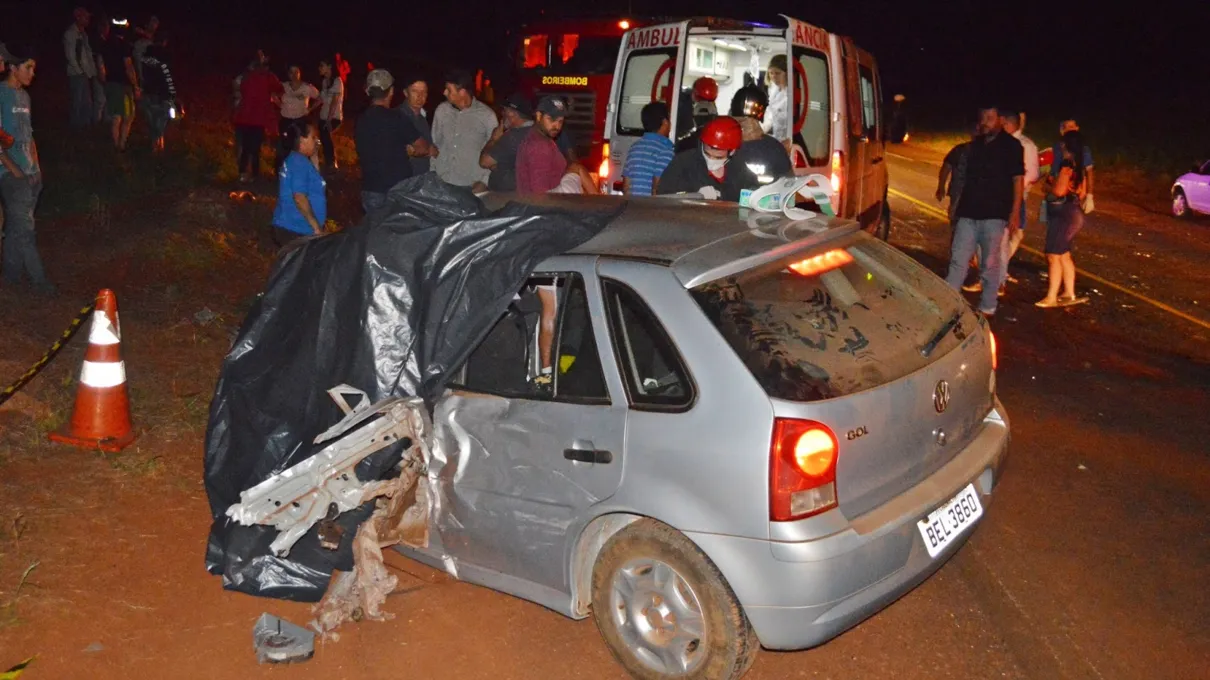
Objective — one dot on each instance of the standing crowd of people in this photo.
(110, 75)
(116, 74)
(988, 181)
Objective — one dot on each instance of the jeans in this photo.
(251, 138)
(372, 200)
(80, 113)
(988, 236)
(326, 128)
(20, 246)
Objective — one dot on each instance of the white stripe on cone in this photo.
(102, 332)
(103, 374)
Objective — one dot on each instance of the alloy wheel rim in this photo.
(658, 616)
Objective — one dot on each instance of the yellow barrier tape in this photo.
(12, 389)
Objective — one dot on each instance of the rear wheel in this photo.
(884, 221)
(1180, 205)
(665, 610)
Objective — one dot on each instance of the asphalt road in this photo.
(1093, 559)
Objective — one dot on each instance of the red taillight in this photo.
(995, 354)
(603, 171)
(823, 262)
(837, 171)
(802, 469)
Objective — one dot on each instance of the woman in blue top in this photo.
(302, 203)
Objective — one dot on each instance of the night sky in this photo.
(946, 56)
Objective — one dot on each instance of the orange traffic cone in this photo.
(101, 419)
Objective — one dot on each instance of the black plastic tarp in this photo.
(391, 306)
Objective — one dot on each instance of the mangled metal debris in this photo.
(319, 489)
(325, 485)
(278, 641)
(401, 516)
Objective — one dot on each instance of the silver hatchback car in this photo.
(749, 432)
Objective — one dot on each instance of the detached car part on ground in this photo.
(758, 432)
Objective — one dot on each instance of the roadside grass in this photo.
(8, 610)
(161, 230)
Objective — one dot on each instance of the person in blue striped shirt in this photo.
(649, 156)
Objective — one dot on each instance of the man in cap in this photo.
(462, 126)
(708, 170)
(81, 68)
(386, 142)
(500, 154)
(541, 166)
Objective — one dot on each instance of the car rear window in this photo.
(837, 321)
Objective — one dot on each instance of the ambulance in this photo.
(834, 117)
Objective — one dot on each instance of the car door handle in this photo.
(588, 455)
(876, 161)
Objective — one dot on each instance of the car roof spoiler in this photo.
(769, 239)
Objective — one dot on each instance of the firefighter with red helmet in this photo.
(696, 110)
(708, 170)
(765, 156)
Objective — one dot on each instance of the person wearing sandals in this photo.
(1064, 218)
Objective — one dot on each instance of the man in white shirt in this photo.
(81, 68)
(1014, 124)
(462, 126)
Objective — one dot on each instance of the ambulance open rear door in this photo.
(814, 109)
(650, 67)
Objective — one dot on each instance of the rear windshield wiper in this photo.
(937, 337)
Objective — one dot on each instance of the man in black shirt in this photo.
(386, 142)
(119, 82)
(990, 207)
(708, 169)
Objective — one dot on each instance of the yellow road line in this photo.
(941, 214)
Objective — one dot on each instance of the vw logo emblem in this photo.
(941, 396)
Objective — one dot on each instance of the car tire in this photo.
(1180, 205)
(884, 221)
(665, 610)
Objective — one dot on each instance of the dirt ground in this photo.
(1091, 564)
